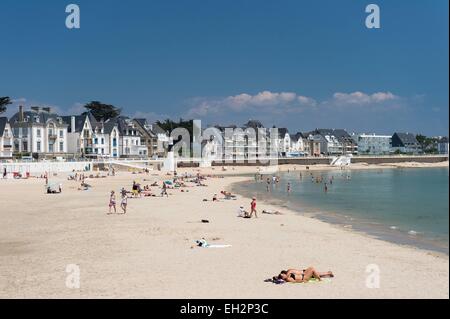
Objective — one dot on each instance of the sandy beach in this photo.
(150, 252)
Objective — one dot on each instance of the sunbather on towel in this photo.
(269, 212)
(301, 276)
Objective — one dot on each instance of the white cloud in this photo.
(361, 98)
(265, 102)
(75, 109)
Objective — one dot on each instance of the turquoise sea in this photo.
(404, 205)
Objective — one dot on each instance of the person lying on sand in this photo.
(301, 276)
(228, 195)
(272, 212)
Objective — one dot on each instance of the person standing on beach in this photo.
(164, 190)
(325, 188)
(112, 202)
(253, 208)
(288, 188)
(124, 202)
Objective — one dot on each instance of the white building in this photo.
(374, 144)
(162, 140)
(442, 145)
(39, 133)
(298, 143)
(6, 139)
(130, 144)
(89, 138)
(283, 142)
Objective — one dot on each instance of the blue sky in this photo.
(299, 64)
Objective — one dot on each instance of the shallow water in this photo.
(407, 206)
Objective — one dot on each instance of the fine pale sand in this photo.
(150, 251)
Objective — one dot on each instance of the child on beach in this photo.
(253, 208)
(112, 202)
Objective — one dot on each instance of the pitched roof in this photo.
(253, 124)
(297, 136)
(158, 129)
(145, 126)
(3, 122)
(282, 131)
(340, 134)
(441, 140)
(407, 138)
(79, 121)
(35, 116)
(108, 126)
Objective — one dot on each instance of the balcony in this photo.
(52, 136)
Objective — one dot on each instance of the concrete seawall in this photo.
(327, 160)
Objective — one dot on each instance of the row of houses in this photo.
(40, 133)
(244, 143)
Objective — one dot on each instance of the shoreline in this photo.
(150, 252)
(340, 220)
(337, 220)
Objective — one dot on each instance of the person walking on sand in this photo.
(288, 188)
(253, 208)
(164, 190)
(112, 202)
(124, 202)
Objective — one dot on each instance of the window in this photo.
(95, 140)
(38, 146)
(61, 146)
(51, 148)
(38, 132)
(61, 133)
(103, 140)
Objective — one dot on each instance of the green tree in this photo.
(4, 102)
(169, 125)
(102, 111)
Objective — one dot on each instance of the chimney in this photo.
(72, 124)
(20, 113)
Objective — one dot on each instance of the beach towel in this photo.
(204, 244)
(311, 281)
